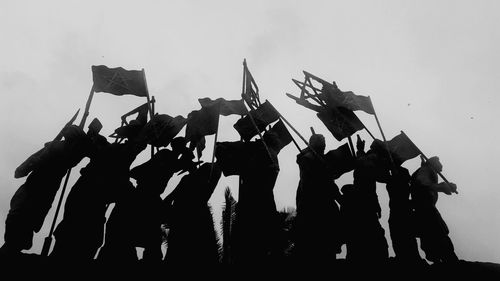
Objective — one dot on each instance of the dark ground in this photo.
(33, 267)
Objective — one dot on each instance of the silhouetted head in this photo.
(272, 140)
(73, 133)
(435, 163)
(317, 142)
(377, 146)
(178, 144)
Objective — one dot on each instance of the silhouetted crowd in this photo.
(326, 217)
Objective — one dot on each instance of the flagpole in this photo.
(260, 135)
(427, 159)
(215, 143)
(297, 132)
(351, 146)
(240, 179)
(150, 108)
(48, 240)
(383, 137)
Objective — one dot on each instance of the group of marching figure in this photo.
(326, 217)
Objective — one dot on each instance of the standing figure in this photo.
(136, 218)
(32, 201)
(192, 239)
(105, 179)
(432, 229)
(401, 227)
(256, 229)
(317, 225)
(369, 239)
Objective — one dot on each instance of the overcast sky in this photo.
(432, 69)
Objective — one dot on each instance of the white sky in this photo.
(432, 69)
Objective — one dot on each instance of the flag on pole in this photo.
(226, 107)
(333, 96)
(163, 128)
(119, 81)
(201, 123)
(250, 89)
(280, 136)
(402, 148)
(262, 116)
(340, 160)
(341, 122)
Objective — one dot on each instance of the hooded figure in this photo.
(367, 243)
(192, 239)
(136, 219)
(32, 201)
(431, 228)
(105, 180)
(317, 225)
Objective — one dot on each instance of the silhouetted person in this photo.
(401, 224)
(351, 217)
(136, 218)
(192, 239)
(432, 229)
(32, 201)
(370, 168)
(256, 228)
(103, 181)
(317, 225)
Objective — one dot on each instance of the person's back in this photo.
(32, 201)
(401, 225)
(431, 228)
(192, 237)
(317, 225)
(102, 181)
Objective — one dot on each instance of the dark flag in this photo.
(201, 123)
(340, 160)
(281, 135)
(333, 96)
(226, 107)
(262, 116)
(119, 81)
(251, 90)
(163, 128)
(402, 148)
(341, 122)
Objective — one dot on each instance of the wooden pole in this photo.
(215, 143)
(393, 168)
(48, 240)
(150, 108)
(427, 159)
(298, 134)
(351, 146)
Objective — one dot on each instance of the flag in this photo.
(281, 135)
(341, 122)
(402, 148)
(251, 90)
(335, 97)
(340, 160)
(201, 123)
(162, 128)
(262, 116)
(119, 81)
(226, 107)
